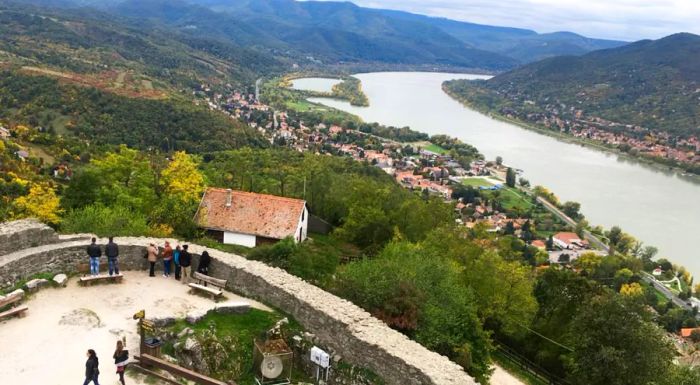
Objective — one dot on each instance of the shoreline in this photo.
(658, 166)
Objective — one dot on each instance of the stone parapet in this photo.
(344, 327)
(23, 234)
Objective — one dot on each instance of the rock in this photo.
(61, 279)
(17, 293)
(36, 284)
(185, 332)
(164, 321)
(191, 344)
(195, 316)
(233, 307)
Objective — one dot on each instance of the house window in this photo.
(303, 213)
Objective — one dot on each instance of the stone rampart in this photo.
(24, 234)
(350, 331)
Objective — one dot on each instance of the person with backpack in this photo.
(176, 259)
(185, 263)
(121, 358)
(92, 370)
(94, 252)
(112, 253)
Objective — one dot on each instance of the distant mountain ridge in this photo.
(651, 83)
(341, 32)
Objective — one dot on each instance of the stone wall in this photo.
(24, 234)
(340, 325)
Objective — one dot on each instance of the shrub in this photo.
(105, 221)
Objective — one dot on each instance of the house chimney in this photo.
(228, 197)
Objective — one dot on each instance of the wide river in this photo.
(658, 207)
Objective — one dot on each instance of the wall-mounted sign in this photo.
(320, 358)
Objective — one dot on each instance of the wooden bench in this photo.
(90, 279)
(11, 299)
(18, 311)
(148, 360)
(203, 282)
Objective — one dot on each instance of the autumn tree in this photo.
(41, 203)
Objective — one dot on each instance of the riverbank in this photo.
(646, 161)
(348, 88)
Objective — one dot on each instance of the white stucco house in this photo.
(251, 219)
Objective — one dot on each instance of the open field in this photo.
(435, 148)
(114, 81)
(477, 182)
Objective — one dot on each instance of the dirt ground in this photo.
(48, 346)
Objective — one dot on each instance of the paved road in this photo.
(586, 234)
(665, 291)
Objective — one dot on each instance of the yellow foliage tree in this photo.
(182, 178)
(631, 289)
(41, 202)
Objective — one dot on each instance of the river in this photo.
(656, 206)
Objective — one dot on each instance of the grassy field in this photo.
(435, 148)
(476, 182)
(512, 198)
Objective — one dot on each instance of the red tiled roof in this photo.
(250, 213)
(686, 332)
(539, 244)
(567, 237)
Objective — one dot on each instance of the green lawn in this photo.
(435, 148)
(476, 182)
(512, 199)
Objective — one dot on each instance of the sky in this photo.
(609, 19)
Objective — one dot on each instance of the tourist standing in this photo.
(121, 358)
(94, 252)
(167, 259)
(112, 252)
(185, 262)
(176, 259)
(91, 368)
(152, 258)
(204, 261)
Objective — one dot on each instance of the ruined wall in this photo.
(360, 338)
(24, 234)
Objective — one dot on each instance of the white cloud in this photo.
(612, 19)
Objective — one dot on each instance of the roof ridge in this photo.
(221, 189)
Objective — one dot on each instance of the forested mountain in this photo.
(652, 84)
(320, 32)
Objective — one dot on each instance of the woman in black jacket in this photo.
(204, 261)
(91, 368)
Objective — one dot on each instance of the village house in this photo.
(251, 219)
(4, 133)
(567, 240)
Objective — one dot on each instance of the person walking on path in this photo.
(152, 258)
(95, 252)
(121, 358)
(176, 259)
(204, 262)
(112, 253)
(167, 259)
(91, 368)
(185, 262)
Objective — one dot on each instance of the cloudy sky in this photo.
(612, 19)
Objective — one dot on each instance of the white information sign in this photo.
(320, 358)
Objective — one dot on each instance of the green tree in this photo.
(510, 177)
(614, 344)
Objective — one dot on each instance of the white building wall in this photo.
(303, 226)
(239, 239)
